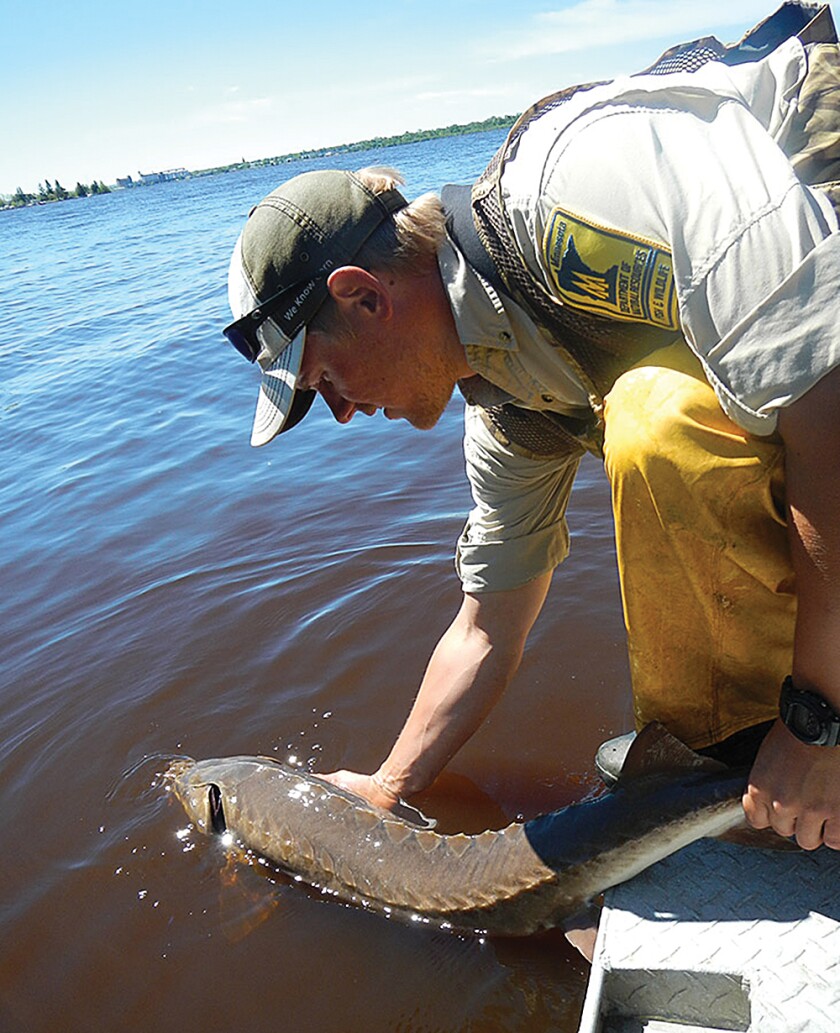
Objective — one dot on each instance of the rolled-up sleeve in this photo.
(517, 529)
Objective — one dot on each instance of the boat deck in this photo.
(720, 937)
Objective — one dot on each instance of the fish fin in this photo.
(581, 930)
(656, 751)
(412, 816)
(243, 905)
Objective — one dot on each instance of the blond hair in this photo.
(413, 236)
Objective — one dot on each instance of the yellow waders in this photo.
(706, 578)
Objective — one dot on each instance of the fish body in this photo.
(515, 881)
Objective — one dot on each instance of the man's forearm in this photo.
(811, 430)
(794, 787)
(467, 673)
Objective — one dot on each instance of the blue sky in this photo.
(100, 90)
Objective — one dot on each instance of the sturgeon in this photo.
(521, 879)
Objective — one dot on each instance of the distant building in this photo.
(147, 178)
(162, 177)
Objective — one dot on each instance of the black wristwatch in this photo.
(809, 716)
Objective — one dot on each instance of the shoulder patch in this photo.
(608, 272)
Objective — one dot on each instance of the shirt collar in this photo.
(480, 317)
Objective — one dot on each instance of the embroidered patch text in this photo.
(610, 273)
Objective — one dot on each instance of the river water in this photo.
(168, 590)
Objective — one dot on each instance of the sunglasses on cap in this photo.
(290, 309)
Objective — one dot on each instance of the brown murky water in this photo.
(167, 591)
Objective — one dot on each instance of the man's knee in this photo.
(654, 411)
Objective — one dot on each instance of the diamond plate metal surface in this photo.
(721, 937)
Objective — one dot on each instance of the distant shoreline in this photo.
(463, 129)
(21, 199)
(415, 136)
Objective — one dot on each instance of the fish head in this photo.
(200, 795)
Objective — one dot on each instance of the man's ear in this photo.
(356, 291)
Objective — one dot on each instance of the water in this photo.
(168, 590)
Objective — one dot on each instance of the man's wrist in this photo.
(808, 715)
(387, 786)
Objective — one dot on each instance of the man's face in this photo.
(406, 380)
(391, 345)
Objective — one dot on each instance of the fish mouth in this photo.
(177, 770)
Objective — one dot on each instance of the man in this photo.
(653, 280)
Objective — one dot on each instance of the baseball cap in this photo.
(277, 281)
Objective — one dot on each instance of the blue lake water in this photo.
(168, 590)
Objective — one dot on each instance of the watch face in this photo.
(805, 723)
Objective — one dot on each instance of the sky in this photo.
(100, 90)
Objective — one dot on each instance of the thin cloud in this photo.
(235, 111)
(456, 95)
(598, 23)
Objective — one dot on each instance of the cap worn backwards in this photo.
(295, 238)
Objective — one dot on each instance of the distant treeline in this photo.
(54, 192)
(495, 122)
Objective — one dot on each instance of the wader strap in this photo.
(457, 204)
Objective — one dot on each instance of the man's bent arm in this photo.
(795, 788)
(469, 670)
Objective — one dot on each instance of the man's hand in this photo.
(795, 790)
(369, 787)
(373, 789)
